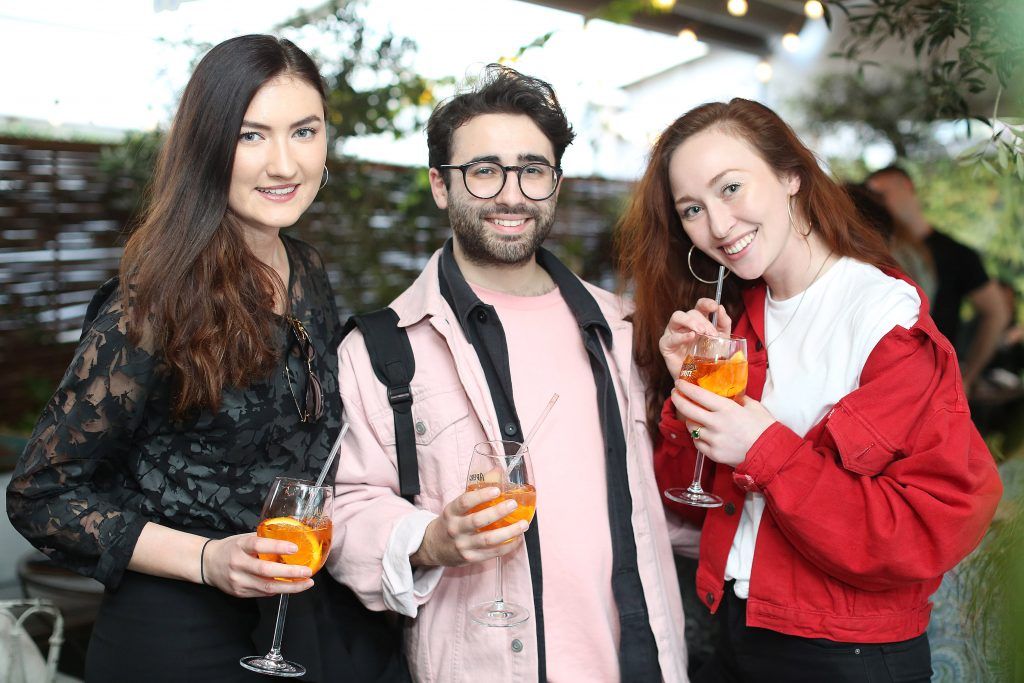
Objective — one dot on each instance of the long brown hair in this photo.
(189, 276)
(652, 246)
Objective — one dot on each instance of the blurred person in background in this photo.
(851, 474)
(209, 371)
(999, 398)
(913, 256)
(955, 655)
(958, 269)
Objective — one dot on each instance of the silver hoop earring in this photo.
(689, 264)
(327, 176)
(792, 223)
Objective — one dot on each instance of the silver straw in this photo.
(718, 296)
(533, 432)
(334, 452)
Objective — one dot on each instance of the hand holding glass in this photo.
(718, 364)
(505, 466)
(299, 512)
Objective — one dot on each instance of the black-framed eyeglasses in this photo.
(313, 408)
(486, 179)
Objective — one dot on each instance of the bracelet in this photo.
(202, 554)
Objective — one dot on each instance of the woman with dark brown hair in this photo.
(851, 474)
(208, 372)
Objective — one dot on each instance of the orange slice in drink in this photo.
(302, 535)
(729, 378)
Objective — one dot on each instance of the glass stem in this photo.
(499, 589)
(698, 472)
(282, 608)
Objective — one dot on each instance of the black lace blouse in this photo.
(106, 457)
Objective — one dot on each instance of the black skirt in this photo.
(156, 630)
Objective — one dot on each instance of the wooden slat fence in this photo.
(63, 222)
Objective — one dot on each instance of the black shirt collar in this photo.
(464, 300)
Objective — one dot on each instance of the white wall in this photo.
(620, 134)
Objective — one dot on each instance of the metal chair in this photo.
(13, 636)
(78, 597)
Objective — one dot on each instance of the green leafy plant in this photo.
(129, 167)
(625, 11)
(995, 582)
(371, 83)
(895, 109)
(964, 49)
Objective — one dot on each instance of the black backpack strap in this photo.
(393, 363)
(97, 301)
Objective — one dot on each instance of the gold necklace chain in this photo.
(799, 303)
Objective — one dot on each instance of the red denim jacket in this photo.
(866, 512)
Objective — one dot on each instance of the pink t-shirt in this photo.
(546, 356)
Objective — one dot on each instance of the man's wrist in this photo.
(423, 557)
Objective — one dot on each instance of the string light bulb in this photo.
(813, 9)
(791, 42)
(737, 8)
(663, 5)
(763, 71)
(687, 35)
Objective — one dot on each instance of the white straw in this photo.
(334, 452)
(718, 296)
(529, 437)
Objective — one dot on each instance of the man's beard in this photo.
(487, 248)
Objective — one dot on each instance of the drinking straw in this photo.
(718, 296)
(334, 452)
(529, 437)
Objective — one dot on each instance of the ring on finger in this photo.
(695, 433)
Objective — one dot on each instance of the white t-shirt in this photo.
(817, 360)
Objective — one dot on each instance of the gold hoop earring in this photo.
(689, 264)
(327, 176)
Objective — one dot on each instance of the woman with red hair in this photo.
(851, 474)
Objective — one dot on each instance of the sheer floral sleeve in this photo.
(107, 456)
(63, 497)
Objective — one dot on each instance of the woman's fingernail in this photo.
(510, 505)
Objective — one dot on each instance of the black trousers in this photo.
(160, 630)
(756, 655)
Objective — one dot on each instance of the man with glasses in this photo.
(497, 325)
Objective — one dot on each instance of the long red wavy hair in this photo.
(652, 246)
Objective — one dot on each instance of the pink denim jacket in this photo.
(452, 411)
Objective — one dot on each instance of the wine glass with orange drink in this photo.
(299, 512)
(504, 465)
(718, 364)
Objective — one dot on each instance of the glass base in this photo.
(499, 614)
(696, 497)
(261, 664)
